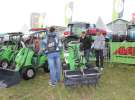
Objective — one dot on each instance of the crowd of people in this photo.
(51, 47)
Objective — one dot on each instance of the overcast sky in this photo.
(15, 14)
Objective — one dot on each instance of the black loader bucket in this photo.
(88, 77)
(9, 78)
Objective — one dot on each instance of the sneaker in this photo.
(51, 84)
(96, 68)
(101, 68)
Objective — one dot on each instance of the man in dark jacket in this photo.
(86, 42)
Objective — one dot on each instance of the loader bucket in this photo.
(9, 78)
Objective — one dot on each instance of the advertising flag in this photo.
(118, 9)
(68, 12)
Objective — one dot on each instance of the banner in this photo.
(37, 20)
(123, 52)
(118, 9)
(68, 12)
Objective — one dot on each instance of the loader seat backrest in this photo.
(20, 58)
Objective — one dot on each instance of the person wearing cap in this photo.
(86, 42)
(98, 46)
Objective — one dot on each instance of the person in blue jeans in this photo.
(52, 50)
(54, 64)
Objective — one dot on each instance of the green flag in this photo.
(118, 9)
(68, 12)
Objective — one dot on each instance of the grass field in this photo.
(117, 83)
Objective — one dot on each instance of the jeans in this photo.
(55, 66)
(99, 58)
(87, 55)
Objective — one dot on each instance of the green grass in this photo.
(117, 83)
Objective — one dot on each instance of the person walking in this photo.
(86, 42)
(99, 45)
(52, 49)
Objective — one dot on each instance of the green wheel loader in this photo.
(28, 60)
(10, 49)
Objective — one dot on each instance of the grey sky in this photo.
(15, 14)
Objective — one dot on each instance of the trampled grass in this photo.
(117, 83)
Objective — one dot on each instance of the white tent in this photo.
(100, 24)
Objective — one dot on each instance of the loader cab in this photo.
(17, 38)
(14, 39)
(36, 37)
(75, 29)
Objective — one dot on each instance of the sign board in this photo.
(37, 20)
(123, 52)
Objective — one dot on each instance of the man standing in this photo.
(53, 52)
(99, 45)
(86, 46)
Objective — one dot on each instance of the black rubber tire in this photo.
(4, 61)
(25, 73)
(46, 67)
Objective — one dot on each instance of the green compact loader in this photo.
(8, 52)
(24, 66)
(28, 60)
(75, 69)
(10, 49)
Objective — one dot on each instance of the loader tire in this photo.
(28, 73)
(4, 64)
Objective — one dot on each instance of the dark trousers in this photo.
(99, 58)
(87, 55)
